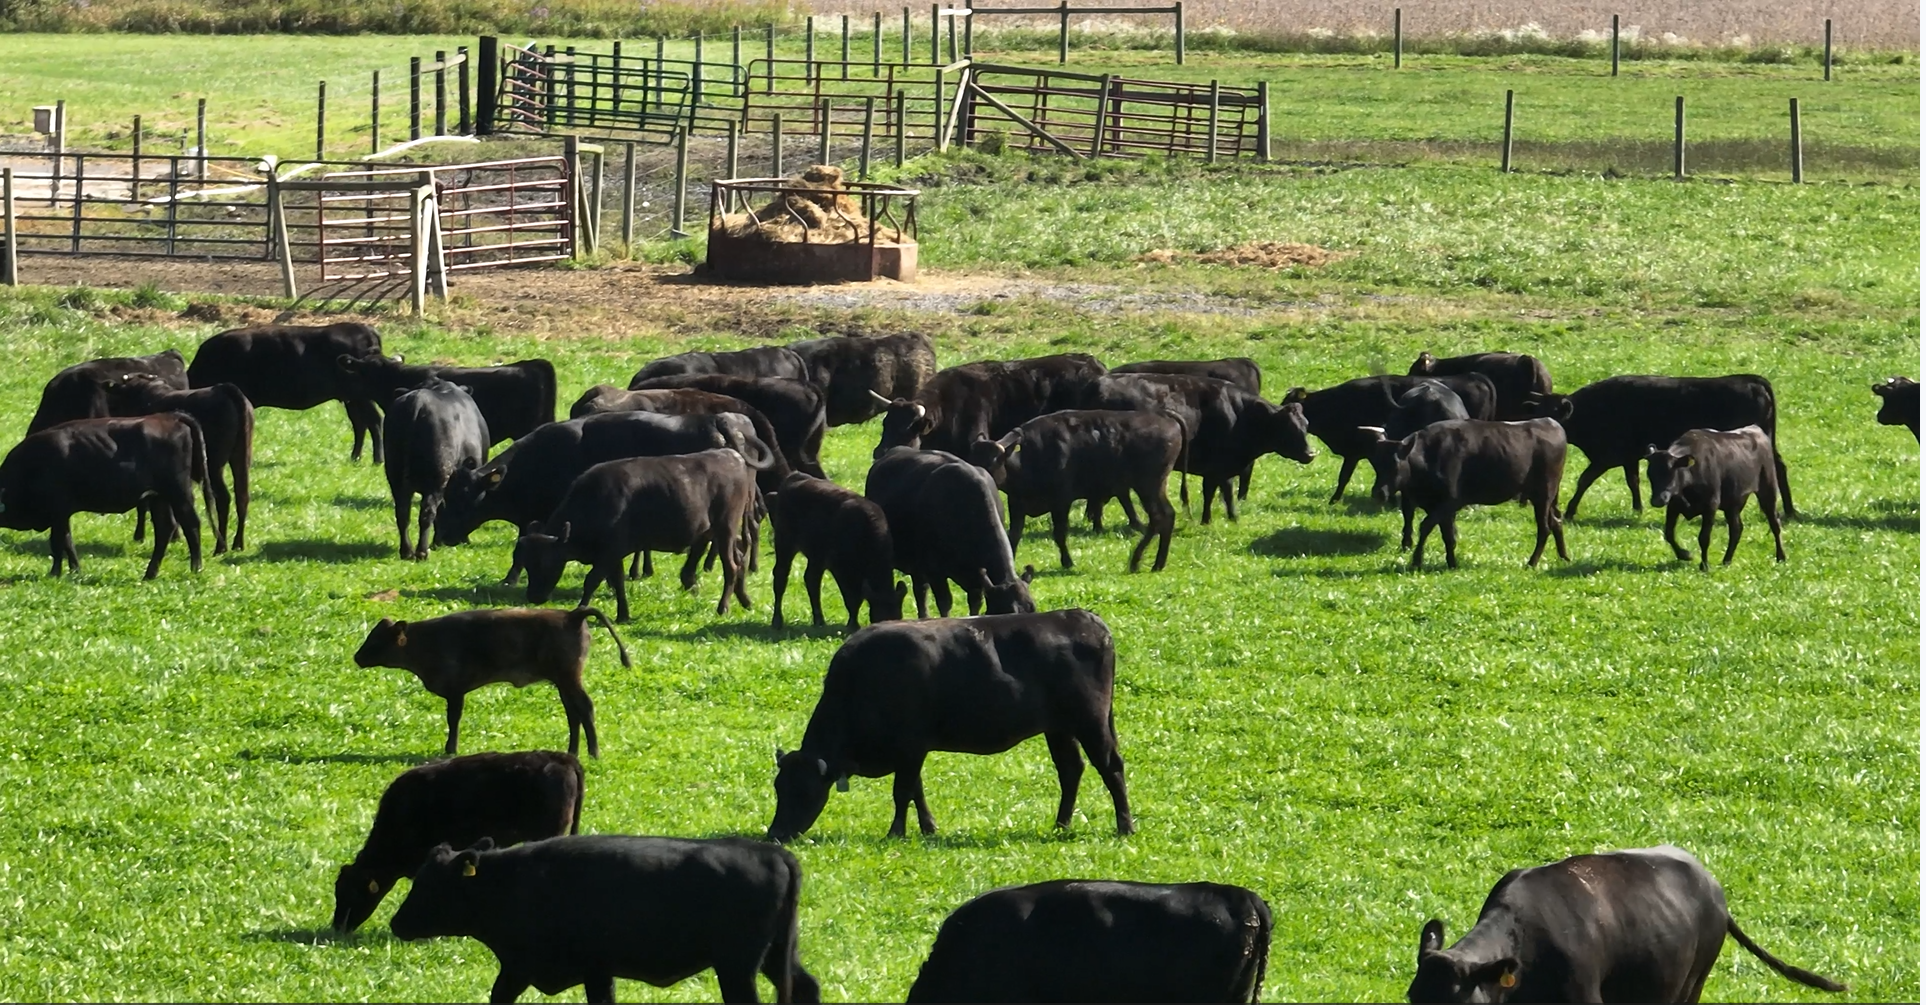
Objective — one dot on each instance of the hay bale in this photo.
(817, 210)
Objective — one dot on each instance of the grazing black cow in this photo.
(1418, 407)
(853, 373)
(227, 424)
(510, 798)
(761, 361)
(1706, 471)
(1447, 466)
(616, 508)
(794, 410)
(1050, 462)
(515, 398)
(1643, 925)
(841, 533)
(1093, 940)
(526, 481)
(1615, 420)
(108, 466)
(74, 393)
(984, 400)
(896, 692)
(1899, 403)
(604, 398)
(294, 366)
(432, 432)
(1515, 376)
(1343, 416)
(1230, 428)
(1241, 372)
(945, 524)
(457, 653)
(586, 910)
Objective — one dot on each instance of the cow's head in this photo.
(1443, 977)
(885, 603)
(448, 896)
(1290, 435)
(1898, 402)
(1671, 469)
(802, 790)
(1539, 405)
(905, 423)
(372, 363)
(1425, 364)
(357, 892)
(1000, 458)
(1390, 461)
(461, 504)
(1012, 597)
(132, 391)
(543, 555)
(385, 646)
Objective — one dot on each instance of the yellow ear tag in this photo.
(374, 887)
(1508, 980)
(468, 869)
(1689, 461)
(401, 639)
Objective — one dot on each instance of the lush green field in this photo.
(1570, 115)
(187, 761)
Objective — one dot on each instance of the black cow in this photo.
(1644, 925)
(603, 398)
(227, 424)
(432, 432)
(761, 361)
(1899, 403)
(294, 366)
(794, 410)
(526, 481)
(586, 910)
(515, 398)
(853, 373)
(841, 533)
(1241, 372)
(896, 692)
(1615, 420)
(945, 524)
(1343, 416)
(1089, 940)
(457, 653)
(1418, 407)
(108, 466)
(1707, 471)
(1515, 376)
(616, 508)
(984, 400)
(74, 393)
(1050, 462)
(1447, 466)
(510, 798)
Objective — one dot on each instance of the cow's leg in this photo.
(404, 501)
(1093, 512)
(635, 564)
(592, 580)
(240, 474)
(921, 587)
(1424, 533)
(430, 506)
(1060, 530)
(1130, 512)
(907, 788)
(690, 564)
(514, 573)
(852, 591)
(581, 711)
(601, 988)
(60, 542)
(1162, 522)
(1349, 467)
(1785, 487)
(735, 980)
(1210, 492)
(1734, 525)
(813, 581)
(1244, 480)
(1063, 753)
(1448, 530)
(1230, 500)
(1631, 484)
(1672, 514)
(1016, 529)
(1410, 508)
(1099, 740)
(218, 487)
(1767, 506)
(621, 588)
(1558, 528)
(163, 533)
(1542, 509)
(1705, 538)
(940, 591)
(454, 725)
(780, 583)
(365, 418)
(709, 559)
(189, 524)
(508, 987)
(1585, 479)
(140, 525)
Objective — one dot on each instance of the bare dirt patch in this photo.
(1259, 254)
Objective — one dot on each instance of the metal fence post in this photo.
(414, 97)
(1504, 155)
(466, 124)
(1798, 153)
(441, 92)
(572, 163)
(1678, 139)
(969, 28)
(1179, 5)
(133, 183)
(869, 125)
(681, 182)
(489, 55)
(906, 36)
(845, 46)
(321, 120)
(200, 140)
(1828, 57)
(936, 34)
(9, 255)
(875, 43)
(1063, 32)
(628, 195)
(775, 144)
(1263, 120)
(734, 149)
(374, 115)
(809, 47)
(1397, 37)
(1614, 45)
(823, 155)
(902, 126)
(1211, 158)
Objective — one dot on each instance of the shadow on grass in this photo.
(330, 552)
(492, 593)
(1594, 566)
(361, 502)
(38, 547)
(286, 758)
(1299, 542)
(753, 631)
(879, 839)
(323, 936)
(1903, 521)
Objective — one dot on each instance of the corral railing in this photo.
(910, 99)
(542, 91)
(119, 204)
(1089, 115)
(492, 214)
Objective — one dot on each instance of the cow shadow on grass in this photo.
(328, 552)
(1593, 566)
(490, 593)
(879, 839)
(361, 502)
(1302, 542)
(1886, 517)
(323, 936)
(282, 757)
(749, 631)
(38, 548)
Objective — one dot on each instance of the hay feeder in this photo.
(815, 228)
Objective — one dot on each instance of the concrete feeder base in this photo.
(789, 262)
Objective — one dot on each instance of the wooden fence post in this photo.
(9, 255)
(1798, 154)
(414, 97)
(906, 36)
(441, 92)
(1103, 112)
(1504, 156)
(952, 24)
(489, 56)
(1211, 158)
(133, 183)
(869, 125)
(936, 35)
(969, 28)
(1828, 57)
(822, 156)
(466, 124)
(321, 120)
(902, 126)
(845, 46)
(418, 241)
(809, 47)
(200, 141)
(1397, 37)
(278, 231)
(875, 43)
(628, 197)
(681, 183)
(1264, 120)
(374, 115)
(1179, 5)
(1614, 45)
(1678, 139)
(572, 163)
(734, 150)
(1063, 32)
(775, 144)
(769, 58)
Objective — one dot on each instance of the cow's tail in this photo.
(1183, 460)
(581, 792)
(1786, 970)
(782, 948)
(621, 650)
(1261, 950)
(546, 405)
(197, 462)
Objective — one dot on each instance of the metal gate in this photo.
(540, 91)
(492, 214)
(1087, 115)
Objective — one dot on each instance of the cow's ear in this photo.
(401, 633)
(1431, 938)
(484, 843)
(1503, 973)
(466, 860)
(1029, 573)
(566, 527)
(399, 359)
(494, 477)
(1652, 452)
(470, 463)
(1296, 394)
(822, 767)
(1685, 462)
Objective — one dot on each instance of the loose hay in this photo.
(1262, 254)
(819, 212)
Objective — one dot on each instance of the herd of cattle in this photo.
(702, 447)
